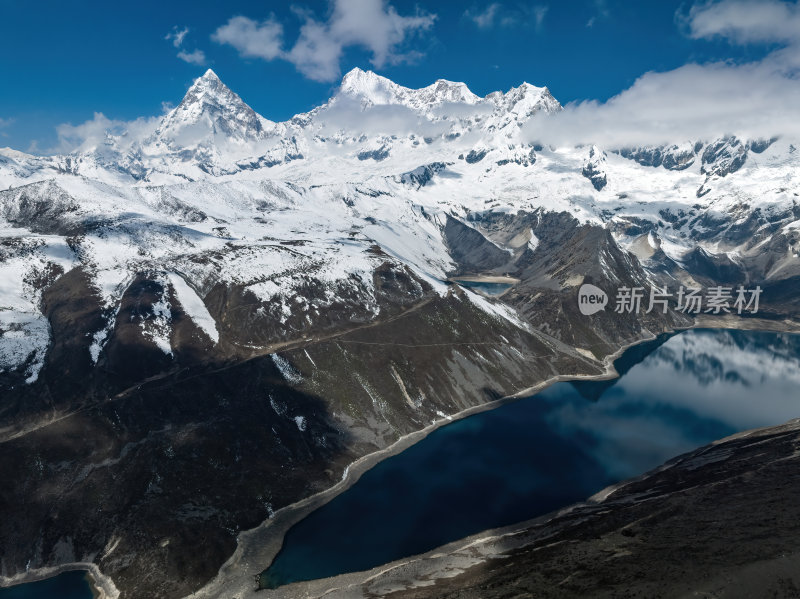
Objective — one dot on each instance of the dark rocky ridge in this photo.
(176, 454)
(670, 157)
(593, 168)
(184, 453)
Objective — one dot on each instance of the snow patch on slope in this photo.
(286, 369)
(28, 264)
(24, 338)
(194, 306)
(533, 242)
(497, 310)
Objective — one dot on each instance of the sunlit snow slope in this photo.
(298, 215)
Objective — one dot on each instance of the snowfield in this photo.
(217, 194)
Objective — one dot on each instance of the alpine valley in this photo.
(211, 317)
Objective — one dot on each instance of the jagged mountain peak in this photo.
(369, 87)
(449, 91)
(209, 76)
(526, 99)
(596, 153)
(373, 89)
(210, 106)
(209, 91)
(357, 78)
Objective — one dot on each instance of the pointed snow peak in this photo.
(526, 90)
(209, 102)
(210, 75)
(356, 76)
(596, 153)
(209, 83)
(527, 87)
(527, 99)
(369, 86)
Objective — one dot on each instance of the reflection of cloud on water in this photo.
(697, 387)
(629, 436)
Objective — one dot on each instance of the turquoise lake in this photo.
(485, 287)
(530, 457)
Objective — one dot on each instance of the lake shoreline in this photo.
(258, 547)
(262, 544)
(484, 279)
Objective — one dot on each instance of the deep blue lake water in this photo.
(530, 457)
(527, 458)
(69, 585)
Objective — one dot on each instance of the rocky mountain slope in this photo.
(209, 320)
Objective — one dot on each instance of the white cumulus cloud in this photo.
(347, 114)
(371, 24)
(177, 37)
(251, 38)
(746, 21)
(195, 57)
(699, 101)
(93, 133)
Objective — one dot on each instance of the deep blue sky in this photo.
(63, 61)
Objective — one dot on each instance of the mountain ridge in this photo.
(214, 133)
(200, 331)
(209, 95)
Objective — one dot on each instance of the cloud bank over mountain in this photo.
(697, 101)
(752, 99)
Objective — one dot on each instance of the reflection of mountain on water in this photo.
(592, 390)
(730, 356)
(747, 356)
(529, 457)
(705, 368)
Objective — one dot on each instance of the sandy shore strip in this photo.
(259, 546)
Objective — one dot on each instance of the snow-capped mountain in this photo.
(212, 132)
(215, 189)
(373, 90)
(212, 109)
(305, 289)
